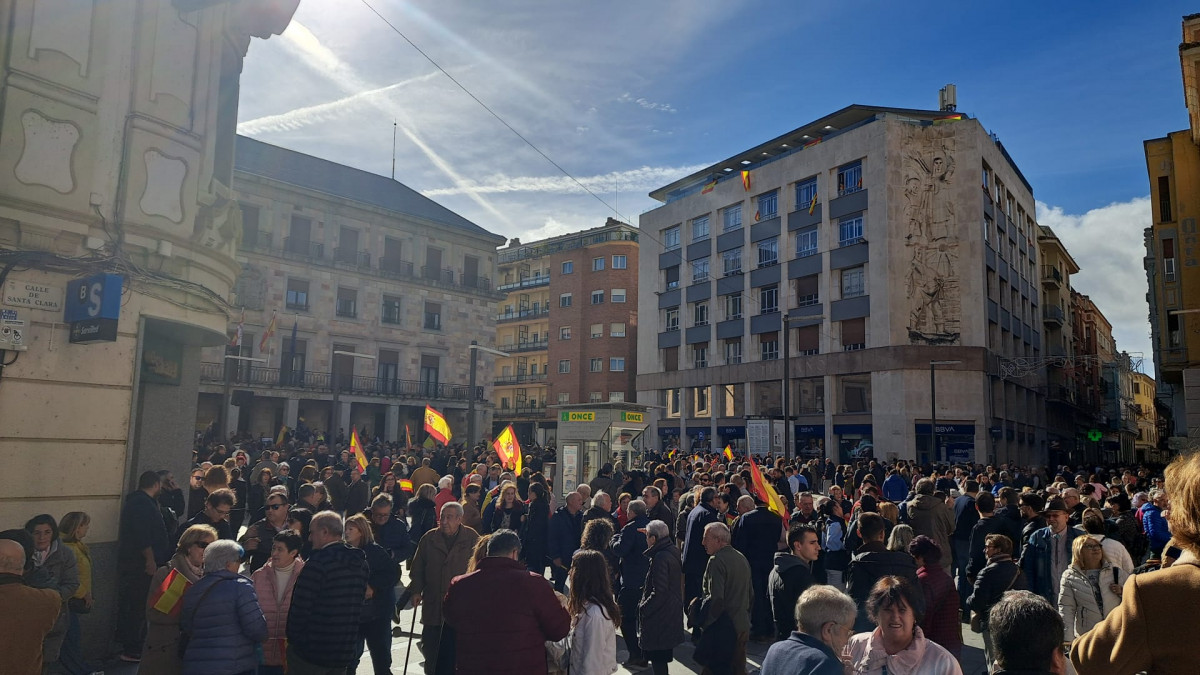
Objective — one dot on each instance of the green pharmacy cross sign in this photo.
(1094, 435)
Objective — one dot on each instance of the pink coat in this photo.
(276, 612)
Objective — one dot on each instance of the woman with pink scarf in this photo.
(897, 646)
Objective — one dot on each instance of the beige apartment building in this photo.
(118, 231)
(569, 323)
(881, 247)
(376, 292)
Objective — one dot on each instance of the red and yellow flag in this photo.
(813, 204)
(729, 453)
(282, 435)
(509, 449)
(356, 449)
(168, 597)
(435, 424)
(947, 119)
(709, 187)
(407, 436)
(267, 335)
(767, 493)
(746, 180)
(406, 485)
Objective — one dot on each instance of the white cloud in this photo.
(322, 112)
(647, 104)
(1108, 245)
(644, 178)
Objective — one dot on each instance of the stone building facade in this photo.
(116, 158)
(892, 243)
(383, 289)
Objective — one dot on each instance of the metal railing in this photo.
(523, 314)
(258, 239)
(363, 385)
(303, 248)
(1053, 313)
(348, 256)
(527, 282)
(1051, 273)
(443, 275)
(520, 379)
(538, 250)
(521, 410)
(526, 345)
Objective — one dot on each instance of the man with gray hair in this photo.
(323, 621)
(726, 588)
(825, 622)
(629, 545)
(31, 613)
(930, 516)
(442, 554)
(602, 510)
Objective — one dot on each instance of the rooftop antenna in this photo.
(393, 150)
(948, 98)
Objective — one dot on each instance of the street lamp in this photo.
(933, 452)
(788, 448)
(333, 414)
(224, 426)
(475, 348)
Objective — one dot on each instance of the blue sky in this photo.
(630, 96)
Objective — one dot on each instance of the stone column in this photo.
(291, 412)
(391, 426)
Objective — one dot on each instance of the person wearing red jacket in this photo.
(502, 614)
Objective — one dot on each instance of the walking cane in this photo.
(411, 630)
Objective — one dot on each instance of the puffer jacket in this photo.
(565, 533)
(872, 562)
(225, 627)
(660, 611)
(593, 641)
(276, 612)
(1157, 529)
(322, 623)
(1077, 600)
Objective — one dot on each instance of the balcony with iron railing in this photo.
(1053, 314)
(1051, 276)
(352, 385)
(520, 410)
(522, 378)
(524, 314)
(526, 346)
(443, 275)
(566, 244)
(347, 308)
(257, 240)
(352, 257)
(304, 249)
(528, 282)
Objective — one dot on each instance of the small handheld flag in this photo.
(406, 485)
(356, 449)
(282, 434)
(407, 436)
(729, 452)
(435, 424)
(767, 493)
(509, 449)
(168, 597)
(671, 453)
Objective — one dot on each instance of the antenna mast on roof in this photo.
(948, 98)
(393, 150)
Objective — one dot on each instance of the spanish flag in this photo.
(356, 449)
(767, 493)
(729, 453)
(813, 204)
(671, 453)
(746, 180)
(407, 436)
(812, 142)
(709, 187)
(267, 335)
(757, 216)
(168, 597)
(406, 485)
(509, 449)
(282, 434)
(435, 424)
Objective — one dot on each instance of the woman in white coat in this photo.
(1114, 551)
(595, 616)
(1090, 588)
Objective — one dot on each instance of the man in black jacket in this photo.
(871, 562)
(358, 493)
(756, 536)
(630, 546)
(965, 517)
(323, 622)
(1031, 505)
(792, 576)
(989, 523)
(217, 507)
(142, 547)
(695, 558)
(1025, 629)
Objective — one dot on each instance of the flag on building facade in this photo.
(265, 340)
(509, 449)
(812, 142)
(813, 204)
(947, 119)
(435, 424)
(746, 180)
(168, 597)
(237, 335)
(356, 449)
(766, 492)
(729, 452)
(709, 187)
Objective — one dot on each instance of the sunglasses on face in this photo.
(202, 544)
(276, 506)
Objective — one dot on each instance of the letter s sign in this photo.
(95, 297)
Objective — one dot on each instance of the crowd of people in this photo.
(873, 568)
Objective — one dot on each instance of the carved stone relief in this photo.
(931, 240)
(63, 26)
(219, 226)
(46, 157)
(163, 195)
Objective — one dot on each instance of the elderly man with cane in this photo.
(442, 555)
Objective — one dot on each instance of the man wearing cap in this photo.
(1048, 552)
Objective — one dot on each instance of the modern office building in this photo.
(569, 323)
(1173, 251)
(374, 290)
(880, 247)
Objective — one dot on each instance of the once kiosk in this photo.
(591, 435)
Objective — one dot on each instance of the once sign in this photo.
(578, 417)
(33, 295)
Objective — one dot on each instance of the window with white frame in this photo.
(853, 282)
(564, 366)
(731, 217)
(597, 330)
(598, 264)
(808, 291)
(672, 319)
(849, 178)
(595, 397)
(670, 238)
(568, 267)
(671, 277)
(616, 329)
(616, 397)
(732, 261)
(700, 228)
(564, 398)
(616, 364)
(597, 297)
(700, 270)
(806, 194)
(768, 252)
(806, 243)
(700, 313)
(618, 295)
(564, 300)
(768, 205)
(850, 229)
(768, 346)
(733, 306)
(596, 365)
(733, 351)
(564, 333)
(620, 262)
(700, 355)
(768, 299)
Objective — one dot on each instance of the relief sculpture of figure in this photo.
(931, 283)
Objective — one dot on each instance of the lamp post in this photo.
(333, 414)
(789, 450)
(226, 394)
(475, 348)
(933, 451)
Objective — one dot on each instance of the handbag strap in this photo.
(1014, 580)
